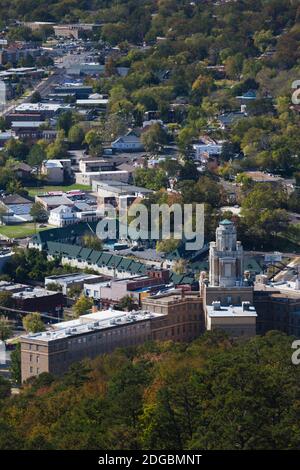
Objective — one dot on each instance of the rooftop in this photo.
(231, 311)
(106, 319)
(40, 107)
(72, 277)
(32, 293)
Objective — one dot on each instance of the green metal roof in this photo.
(64, 233)
(226, 222)
(84, 253)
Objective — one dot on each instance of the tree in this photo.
(92, 241)
(263, 39)
(33, 323)
(15, 364)
(38, 212)
(127, 303)
(5, 328)
(74, 292)
(150, 178)
(54, 286)
(6, 299)
(36, 97)
(76, 134)
(180, 266)
(82, 306)
(65, 121)
(36, 155)
(167, 246)
(154, 137)
(4, 388)
(94, 141)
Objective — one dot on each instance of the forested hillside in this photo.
(210, 394)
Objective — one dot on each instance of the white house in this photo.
(62, 216)
(129, 142)
(203, 149)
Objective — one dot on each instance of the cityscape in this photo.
(149, 227)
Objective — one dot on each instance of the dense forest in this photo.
(210, 394)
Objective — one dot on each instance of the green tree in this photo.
(33, 323)
(82, 306)
(38, 212)
(92, 241)
(4, 388)
(76, 134)
(15, 364)
(127, 303)
(6, 299)
(154, 137)
(65, 121)
(36, 97)
(167, 246)
(5, 328)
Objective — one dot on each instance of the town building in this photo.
(56, 171)
(184, 315)
(66, 281)
(16, 209)
(55, 350)
(137, 287)
(38, 299)
(278, 306)
(115, 193)
(45, 110)
(51, 201)
(130, 142)
(61, 216)
(86, 178)
(227, 295)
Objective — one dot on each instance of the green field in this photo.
(20, 231)
(44, 189)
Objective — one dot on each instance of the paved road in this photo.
(43, 87)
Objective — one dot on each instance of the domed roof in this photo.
(226, 222)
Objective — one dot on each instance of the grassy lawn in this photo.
(44, 189)
(20, 231)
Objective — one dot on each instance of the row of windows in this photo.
(95, 337)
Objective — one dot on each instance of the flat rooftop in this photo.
(40, 107)
(88, 323)
(174, 296)
(291, 288)
(33, 293)
(120, 188)
(231, 311)
(73, 277)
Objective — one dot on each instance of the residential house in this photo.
(61, 216)
(130, 142)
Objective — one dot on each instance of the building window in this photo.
(31, 370)
(37, 359)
